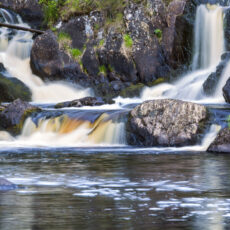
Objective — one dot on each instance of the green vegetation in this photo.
(158, 33)
(62, 36)
(76, 53)
(103, 69)
(128, 41)
(101, 43)
(53, 9)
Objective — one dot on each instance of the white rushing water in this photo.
(208, 48)
(15, 56)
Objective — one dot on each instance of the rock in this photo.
(86, 101)
(30, 10)
(6, 185)
(211, 83)
(12, 88)
(165, 122)
(51, 63)
(226, 91)
(222, 142)
(14, 115)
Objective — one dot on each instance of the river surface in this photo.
(83, 188)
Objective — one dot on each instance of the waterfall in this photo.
(15, 56)
(66, 131)
(208, 37)
(208, 48)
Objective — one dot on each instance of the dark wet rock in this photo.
(222, 142)
(6, 185)
(12, 88)
(14, 115)
(86, 101)
(165, 122)
(51, 63)
(107, 63)
(29, 10)
(226, 91)
(211, 83)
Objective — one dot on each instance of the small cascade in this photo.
(208, 48)
(66, 131)
(15, 56)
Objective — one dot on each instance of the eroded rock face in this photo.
(106, 62)
(14, 115)
(29, 10)
(226, 91)
(86, 101)
(222, 142)
(165, 122)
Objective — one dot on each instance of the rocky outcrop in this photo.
(86, 101)
(29, 10)
(51, 63)
(226, 91)
(14, 115)
(211, 83)
(6, 185)
(222, 142)
(165, 122)
(12, 88)
(136, 48)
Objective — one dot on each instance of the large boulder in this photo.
(13, 116)
(226, 91)
(51, 63)
(166, 122)
(30, 10)
(222, 142)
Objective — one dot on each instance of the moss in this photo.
(102, 42)
(128, 40)
(156, 82)
(102, 69)
(76, 53)
(132, 91)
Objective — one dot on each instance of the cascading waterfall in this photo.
(15, 56)
(66, 131)
(208, 48)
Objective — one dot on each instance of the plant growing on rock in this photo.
(158, 33)
(128, 41)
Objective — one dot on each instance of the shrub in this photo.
(128, 41)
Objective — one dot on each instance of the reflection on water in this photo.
(71, 190)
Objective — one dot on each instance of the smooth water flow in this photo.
(208, 48)
(15, 56)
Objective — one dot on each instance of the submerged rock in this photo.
(226, 91)
(6, 185)
(222, 142)
(86, 101)
(165, 122)
(14, 115)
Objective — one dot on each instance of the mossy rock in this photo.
(12, 88)
(135, 90)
